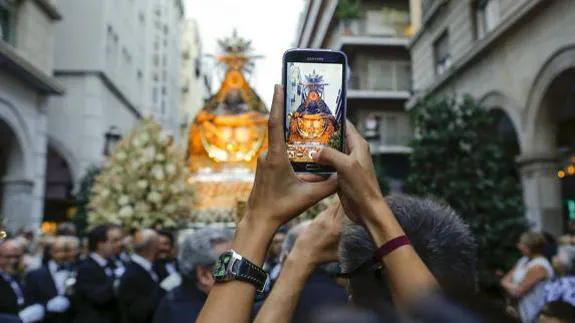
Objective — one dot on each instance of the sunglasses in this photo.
(370, 266)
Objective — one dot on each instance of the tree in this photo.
(459, 158)
(144, 184)
(83, 199)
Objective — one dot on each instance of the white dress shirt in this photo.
(59, 277)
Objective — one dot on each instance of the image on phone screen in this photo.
(314, 109)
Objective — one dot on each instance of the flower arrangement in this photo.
(144, 184)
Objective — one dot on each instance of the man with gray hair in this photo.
(198, 252)
(436, 232)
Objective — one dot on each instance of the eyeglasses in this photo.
(371, 265)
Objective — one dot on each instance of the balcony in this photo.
(381, 79)
(386, 27)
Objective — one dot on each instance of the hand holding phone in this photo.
(314, 105)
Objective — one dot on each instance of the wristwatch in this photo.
(232, 266)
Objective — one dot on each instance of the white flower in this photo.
(164, 137)
(160, 157)
(142, 184)
(144, 137)
(158, 172)
(121, 155)
(123, 200)
(126, 212)
(154, 197)
(136, 142)
(170, 169)
(170, 208)
(149, 153)
(105, 192)
(142, 206)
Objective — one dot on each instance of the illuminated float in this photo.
(226, 137)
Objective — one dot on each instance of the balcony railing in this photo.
(384, 23)
(381, 75)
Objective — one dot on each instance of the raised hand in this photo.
(358, 186)
(319, 242)
(278, 193)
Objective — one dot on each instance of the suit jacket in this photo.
(10, 318)
(161, 269)
(95, 295)
(181, 305)
(139, 295)
(39, 289)
(8, 298)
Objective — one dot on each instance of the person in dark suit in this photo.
(12, 298)
(140, 289)
(166, 264)
(47, 285)
(96, 279)
(196, 256)
(11, 291)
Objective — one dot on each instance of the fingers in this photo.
(353, 138)
(331, 157)
(310, 178)
(275, 123)
(320, 190)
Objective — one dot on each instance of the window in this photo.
(155, 95)
(165, 60)
(163, 90)
(166, 29)
(7, 13)
(142, 17)
(441, 54)
(486, 16)
(388, 129)
(156, 60)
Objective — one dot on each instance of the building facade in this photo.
(163, 62)
(195, 82)
(518, 58)
(27, 31)
(374, 37)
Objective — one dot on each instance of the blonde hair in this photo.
(535, 241)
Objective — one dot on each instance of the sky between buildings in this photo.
(270, 24)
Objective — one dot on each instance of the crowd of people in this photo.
(367, 258)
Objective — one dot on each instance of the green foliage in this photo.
(458, 157)
(83, 199)
(382, 178)
(348, 9)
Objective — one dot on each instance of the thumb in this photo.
(331, 157)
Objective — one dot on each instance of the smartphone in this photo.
(315, 105)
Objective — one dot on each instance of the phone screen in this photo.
(315, 108)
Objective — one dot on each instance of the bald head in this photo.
(146, 244)
(58, 250)
(10, 256)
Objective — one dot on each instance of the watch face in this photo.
(222, 265)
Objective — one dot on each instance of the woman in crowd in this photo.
(525, 283)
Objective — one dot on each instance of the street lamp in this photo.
(112, 137)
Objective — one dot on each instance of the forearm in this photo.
(232, 301)
(406, 273)
(282, 301)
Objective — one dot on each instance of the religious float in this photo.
(226, 137)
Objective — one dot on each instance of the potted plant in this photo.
(348, 10)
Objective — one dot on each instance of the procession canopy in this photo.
(228, 134)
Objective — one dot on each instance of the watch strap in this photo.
(250, 273)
